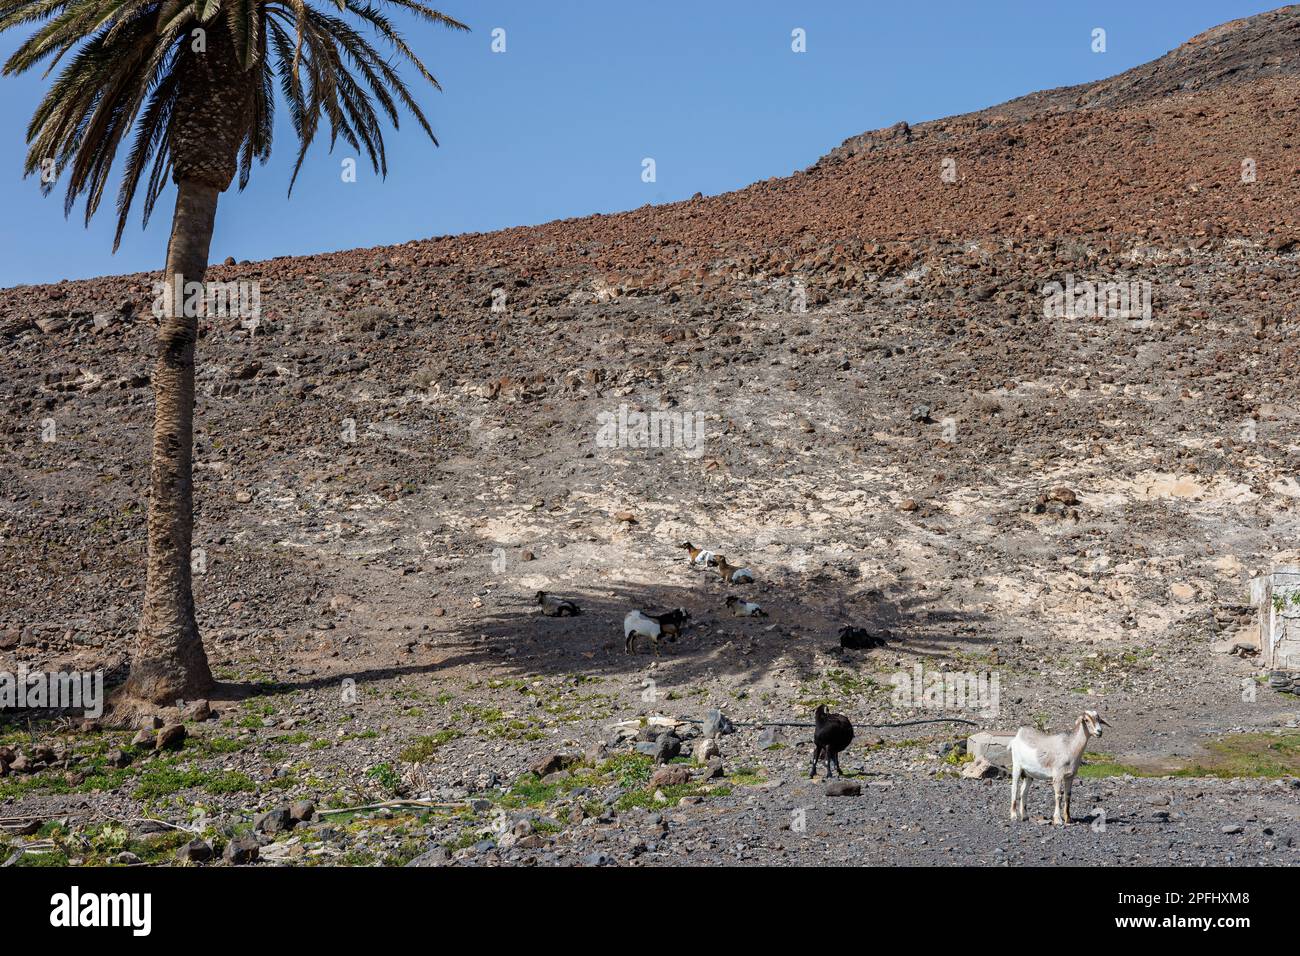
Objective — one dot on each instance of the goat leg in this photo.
(817, 752)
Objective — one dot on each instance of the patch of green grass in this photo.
(1248, 755)
(218, 745)
(645, 797)
(385, 776)
(630, 769)
(54, 858)
(167, 779)
(425, 747)
(1232, 755)
(747, 777)
(956, 757)
(467, 838)
(528, 791)
(99, 777)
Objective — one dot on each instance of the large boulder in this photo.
(992, 747)
(276, 820)
(552, 763)
(716, 724)
(241, 850)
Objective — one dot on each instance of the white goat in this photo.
(1055, 757)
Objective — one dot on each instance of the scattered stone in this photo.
(552, 763)
(981, 769)
(671, 776)
(717, 724)
(843, 788)
(170, 737)
(196, 851)
(667, 746)
(1064, 495)
(302, 811)
(277, 820)
(436, 856)
(197, 711)
(241, 850)
(706, 749)
(991, 747)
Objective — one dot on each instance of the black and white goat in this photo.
(556, 607)
(640, 624)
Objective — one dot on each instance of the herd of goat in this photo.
(1035, 755)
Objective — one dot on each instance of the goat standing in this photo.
(832, 733)
(640, 624)
(1055, 757)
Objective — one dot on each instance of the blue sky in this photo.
(558, 124)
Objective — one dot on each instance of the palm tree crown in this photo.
(197, 79)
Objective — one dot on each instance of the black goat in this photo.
(832, 734)
(860, 639)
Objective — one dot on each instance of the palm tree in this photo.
(196, 80)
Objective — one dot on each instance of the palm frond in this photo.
(129, 65)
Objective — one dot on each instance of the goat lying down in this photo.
(733, 574)
(553, 606)
(640, 624)
(744, 608)
(859, 638)
(699, 557)
(1055, 757)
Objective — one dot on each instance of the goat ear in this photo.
(1104, 721)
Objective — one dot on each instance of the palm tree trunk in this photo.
(169, 660)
